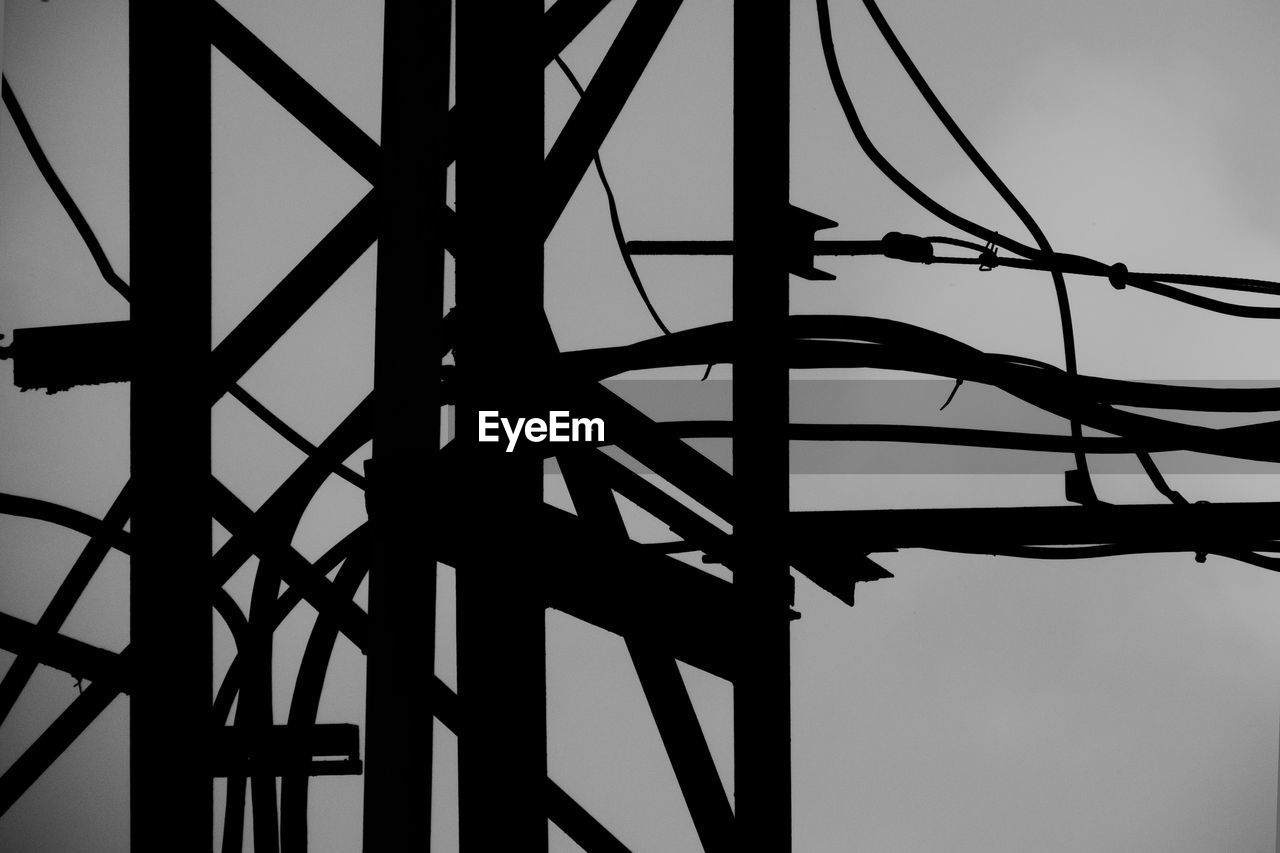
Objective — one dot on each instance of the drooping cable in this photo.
(882, 163)
(614, 220)
(1059, 283)
(1088, 552)
(60, 191)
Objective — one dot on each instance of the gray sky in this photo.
(968, 704)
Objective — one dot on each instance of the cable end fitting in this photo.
(907, 247)
(1118, 275)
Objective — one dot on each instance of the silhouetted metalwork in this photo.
(410, 296)
(480, 510)
(762, 580)
(170, 613)
(501, 662)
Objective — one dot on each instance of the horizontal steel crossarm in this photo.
(724, 248)
(672, 606)
(669, 606)
(705, 482)
(1148, 527)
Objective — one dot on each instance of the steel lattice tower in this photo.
(433, 501)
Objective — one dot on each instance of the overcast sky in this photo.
(969, 704)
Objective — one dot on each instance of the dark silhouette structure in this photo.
(170, 618)
(430, 501)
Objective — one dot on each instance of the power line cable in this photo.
(1087, 493)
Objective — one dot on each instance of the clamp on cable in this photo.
(1118, 275)
(988, 261)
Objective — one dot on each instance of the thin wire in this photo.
(1222, 282)
(1255, 312)
(952, 241)
(954, 389)
(886, 168)
(1156, 283)
(1084, 552)
(1157, 479)
(1081, 265)
(1147, 282)
(1019, 209)
(614, 220)
(60, 191)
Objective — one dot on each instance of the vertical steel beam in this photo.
(404, 479)
(504, 339)
(762, 699)
(171, 620)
